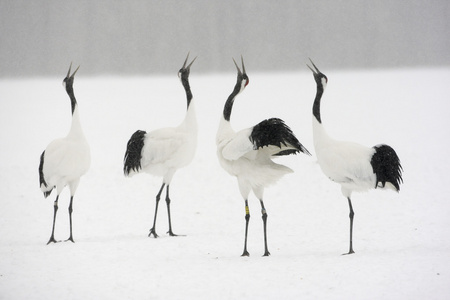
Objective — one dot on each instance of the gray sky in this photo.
(41, 38)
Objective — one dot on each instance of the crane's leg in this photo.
(55, 209)
(152, 230)
(170, 232)
(264, 217)
(70, 220)
(351, 215)
(247, 218)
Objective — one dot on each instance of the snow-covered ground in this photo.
(402, 241)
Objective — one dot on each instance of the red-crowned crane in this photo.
(247, 154)
(163, 151)
(353, 166)
(65, 160)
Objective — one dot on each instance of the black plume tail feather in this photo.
(386, 166)
(133, 154)
(275, 132)
(41, 176)
(41, 172)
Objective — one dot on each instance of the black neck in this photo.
(187, 88)
(316, 105)
(230, 101)
(73, 101)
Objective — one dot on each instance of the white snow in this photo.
(401, 240)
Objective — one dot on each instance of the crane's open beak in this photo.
(243, 66)
(185, 62)
(69, 77)
(73, 74)
(68, 73)
(315, 70)
(239, 70)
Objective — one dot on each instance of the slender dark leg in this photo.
(70, 219)
(152, 230)
(264, 217)
(170, 232)
(350, 251)
(247, 218)
(55, 209)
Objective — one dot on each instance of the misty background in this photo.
(41, 38)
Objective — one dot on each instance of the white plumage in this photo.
(162, 152)
(353, 166)
(344, 162)
(166, 150)
(253, 168)
(247, 154)
(65, 160)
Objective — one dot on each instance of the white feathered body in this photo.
(344, 162)
(168, 149)
(253, 168)
(66, 159)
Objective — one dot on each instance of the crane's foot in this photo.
(245, 253)
(51, 240)
(267, 253)
(153, 232)
(170, 232)
(70, 239)
(349, 252)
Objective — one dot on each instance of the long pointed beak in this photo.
(70, 67)
(189, 66)
(73, 74)
(185, 61)
(239, 70)
(243, 67)
(315, 70)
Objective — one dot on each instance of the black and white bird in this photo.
(65, 160)
(162, 152)
(355, 167)
(247, 154)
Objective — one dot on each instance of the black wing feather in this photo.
(275, 132)
(133, 155)
(386, 166)
(41, 176)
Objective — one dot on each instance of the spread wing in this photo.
(239, 145)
